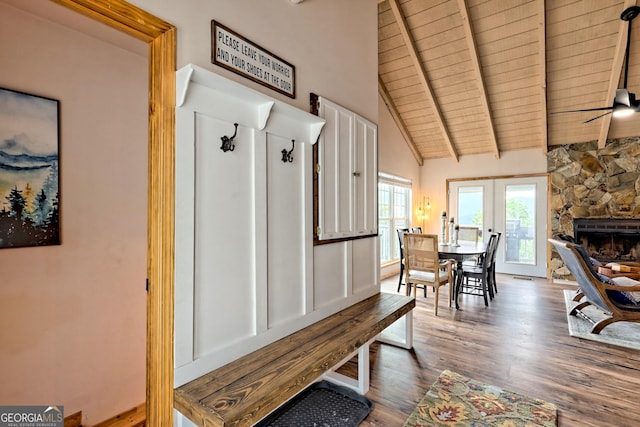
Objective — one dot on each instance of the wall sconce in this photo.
(424, 208)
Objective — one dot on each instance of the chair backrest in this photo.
(492, 247)
(581, 250)
(416, 229)
(421, 252)
(468, 235)
(495, 246)
(401, 232)
(580, 270)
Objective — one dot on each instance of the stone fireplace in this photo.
(609, 239)
(595, 197)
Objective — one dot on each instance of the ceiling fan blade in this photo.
(624, 101)
(581, 111)
(597, 117)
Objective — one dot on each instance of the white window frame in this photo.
(391, 241)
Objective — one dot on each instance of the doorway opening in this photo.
(513, 206)
(161, 39)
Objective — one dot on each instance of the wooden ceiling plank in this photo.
(504, 58)
(515, 64)
(542, 64)
(572, 8)
(577, 62)
(477, 70)
(395, 7)
(616, 69)
(399, 122)
(400, 59)
(507, 30)
(503, 11)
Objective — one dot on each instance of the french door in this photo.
(516, 207)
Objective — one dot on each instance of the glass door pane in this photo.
(471, 204)
(521, 216)
(470, 201)
(520, 229)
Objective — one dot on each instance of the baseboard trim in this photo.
(134, 417)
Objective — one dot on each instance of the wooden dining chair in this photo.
(493, 285)
(423, 266)
(477, 279)
(416, 229)
(401, 232)
(468, 235)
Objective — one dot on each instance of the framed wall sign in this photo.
(235, 53)
(29, 185)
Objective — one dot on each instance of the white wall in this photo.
(395, 157)
(73, 316)
(434, 173)
(332, 43)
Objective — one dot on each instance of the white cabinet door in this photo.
(365, 177)
(347, 175)
(335, 155)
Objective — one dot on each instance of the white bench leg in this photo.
(405, 340)
(180, 420)
(361, 384)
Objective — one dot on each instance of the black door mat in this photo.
(322, 404)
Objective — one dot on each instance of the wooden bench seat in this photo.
(249, 388)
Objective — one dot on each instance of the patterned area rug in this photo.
(457, 401)
(623, 334)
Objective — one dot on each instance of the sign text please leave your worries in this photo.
(234, 52)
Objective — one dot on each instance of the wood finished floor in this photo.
(521, 343)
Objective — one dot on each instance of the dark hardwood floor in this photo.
(521, 343)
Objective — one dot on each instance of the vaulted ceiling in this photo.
(463, 77)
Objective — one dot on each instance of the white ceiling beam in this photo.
(477, 71)
(616, 70)
(542, 58)
(399, 122)
(422, 75)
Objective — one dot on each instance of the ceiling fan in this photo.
(625, 103)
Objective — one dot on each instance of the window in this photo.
(520, 215)
(394, 211)
(470, 202)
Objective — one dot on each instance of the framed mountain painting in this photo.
(29, 156)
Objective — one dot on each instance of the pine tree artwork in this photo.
(29, 156)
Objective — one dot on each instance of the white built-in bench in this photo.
(249, 388)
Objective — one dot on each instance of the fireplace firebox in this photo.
(609, 239)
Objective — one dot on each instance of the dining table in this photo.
(460, 253)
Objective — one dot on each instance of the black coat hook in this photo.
(227, 142)
(287, 156)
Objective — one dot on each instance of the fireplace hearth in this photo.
(609, 239)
